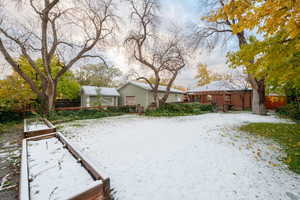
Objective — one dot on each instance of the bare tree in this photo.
(67, 30)
(164, 55)
(212, 32)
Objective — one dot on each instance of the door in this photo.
(130, 100)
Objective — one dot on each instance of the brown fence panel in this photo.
(274, 102)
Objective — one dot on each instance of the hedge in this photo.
(291, 111)
(180, 109)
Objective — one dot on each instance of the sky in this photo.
(181, 12)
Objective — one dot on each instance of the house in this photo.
(140, 93)
(222, 93)
(96, 96)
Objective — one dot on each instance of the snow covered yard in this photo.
(194, 157)
(59, 164)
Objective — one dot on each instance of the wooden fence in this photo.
(274, 102)
(62, 103)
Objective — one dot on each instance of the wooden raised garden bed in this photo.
(38, 126)
(51, 168)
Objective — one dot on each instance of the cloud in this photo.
(181, 13)
(172, 11)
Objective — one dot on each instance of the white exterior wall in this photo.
(173, 97)
(87, 101)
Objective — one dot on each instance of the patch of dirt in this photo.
(10, 158)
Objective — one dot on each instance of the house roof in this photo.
(104, 91)
(146, 86)
(218, 86)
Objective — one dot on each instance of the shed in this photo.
(140, 93)
(222, 93)
(96, 96)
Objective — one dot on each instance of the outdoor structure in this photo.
(140, 93)
(72, 175)
(37, 126)
(222, 93)
(98, 96)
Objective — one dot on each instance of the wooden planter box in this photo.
(36, 127)
(96, 188)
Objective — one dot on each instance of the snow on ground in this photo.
(194, 157)
(55, 173)
(36, 126)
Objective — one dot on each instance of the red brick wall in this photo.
(239, 100)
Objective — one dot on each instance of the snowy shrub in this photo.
(62, 116)
(122, 109)
(180, 109)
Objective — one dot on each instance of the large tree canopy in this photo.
(275, 55)
(99, 75)
(205, 76)
(15, 92)
(67, 86)
(266, 17)
(273, 58)
(162, 55)
(46, 29)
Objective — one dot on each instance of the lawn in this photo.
(192, 157)
(287, 135)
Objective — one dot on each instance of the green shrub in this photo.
(10, 126)
(63, 116)
(7, 116)
(290, 110)
(180, 109)
(123, 109)
(12, 116)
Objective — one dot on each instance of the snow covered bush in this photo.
(123, 109)
(177, 109)
(63, 116)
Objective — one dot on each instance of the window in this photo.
(88, 101)
(227, 98)
(107, 101)
(130, 100)
(209, 98)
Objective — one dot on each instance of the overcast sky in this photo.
(182, 12)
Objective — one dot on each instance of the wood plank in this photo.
(41, 137)
(94, 192)
(24, 184)
(89, 167)
(26, 133)
(49, 124)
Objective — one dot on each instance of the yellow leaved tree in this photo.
(15, 93)
(266, 17)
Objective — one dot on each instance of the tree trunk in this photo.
(258, 86)
(156, 100)
(49, 98)
(258, 96)
(165, 97)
